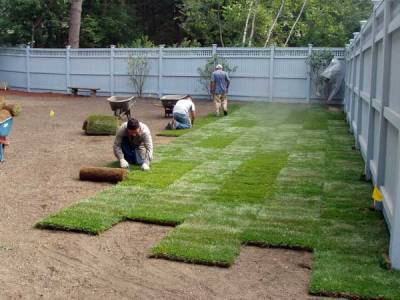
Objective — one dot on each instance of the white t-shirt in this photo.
(184, 106)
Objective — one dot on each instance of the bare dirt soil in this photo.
(40, 176)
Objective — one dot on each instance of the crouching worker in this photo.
(133, 145)
(184, 114)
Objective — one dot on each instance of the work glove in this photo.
(145, 167)
(123, 163)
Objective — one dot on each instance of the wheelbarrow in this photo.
(5, 129)
(169, 101)
(121, 106)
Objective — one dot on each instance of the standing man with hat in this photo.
(219, 88)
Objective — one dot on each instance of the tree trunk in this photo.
(273, 24)
(75, 23)
(219, 25)
(253, 23)
(295, 23)
(247, 23)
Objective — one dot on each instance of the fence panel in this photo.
(372, 104)
(264, 74)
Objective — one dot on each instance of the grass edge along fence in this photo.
(372, 105)
(264, 74)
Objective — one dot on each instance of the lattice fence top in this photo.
(244, 52)
(142, 52)
(191, 52)
(13, 51)
(90, 52)
(205, 52)
(48, 52)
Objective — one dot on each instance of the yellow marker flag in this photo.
(377, 195)
(52, 114)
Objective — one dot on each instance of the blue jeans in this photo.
(133, 155)
(182, 121)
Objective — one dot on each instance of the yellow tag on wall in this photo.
(52, 114)
(377, 195)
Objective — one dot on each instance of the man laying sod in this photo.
(184, 113)
(133, 145)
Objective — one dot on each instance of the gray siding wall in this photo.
(264, 74)
(372, 104)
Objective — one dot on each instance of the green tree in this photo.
(322, 22)
(35, 22)
(44, 23)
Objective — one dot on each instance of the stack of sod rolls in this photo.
(8, 110)
(101, 125)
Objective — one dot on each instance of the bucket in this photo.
(5, 127)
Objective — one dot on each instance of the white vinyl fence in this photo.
(264, 74)
(372, 104)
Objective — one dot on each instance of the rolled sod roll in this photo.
(4, 115)
(102, 174)
(101, 125)
(14, 109)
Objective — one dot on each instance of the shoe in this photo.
(225, 112)
(173, 125)
(169, 126)
(145, 167)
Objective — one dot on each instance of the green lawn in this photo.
(268, 175)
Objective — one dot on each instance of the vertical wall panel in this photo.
(392, 165)
(394, 95)
(367, 71)
(379, 71)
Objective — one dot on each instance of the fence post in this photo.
(214, 49)
(271, 73)
(28, 68)
(308, 82)
(68, 67)
(387, 45)
(160, 70)
(356, 94)
(372, 95)
(346, 81)
(112, 55)
(360, 88)
(353, 83)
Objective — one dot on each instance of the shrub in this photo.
(318, 61)
(138, 70)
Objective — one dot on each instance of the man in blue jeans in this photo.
(133, 145)
(184, 113)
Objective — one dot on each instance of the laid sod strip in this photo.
(253, 181)
(218, 141)
(274, 175)
(199, 123)
(162, 174)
